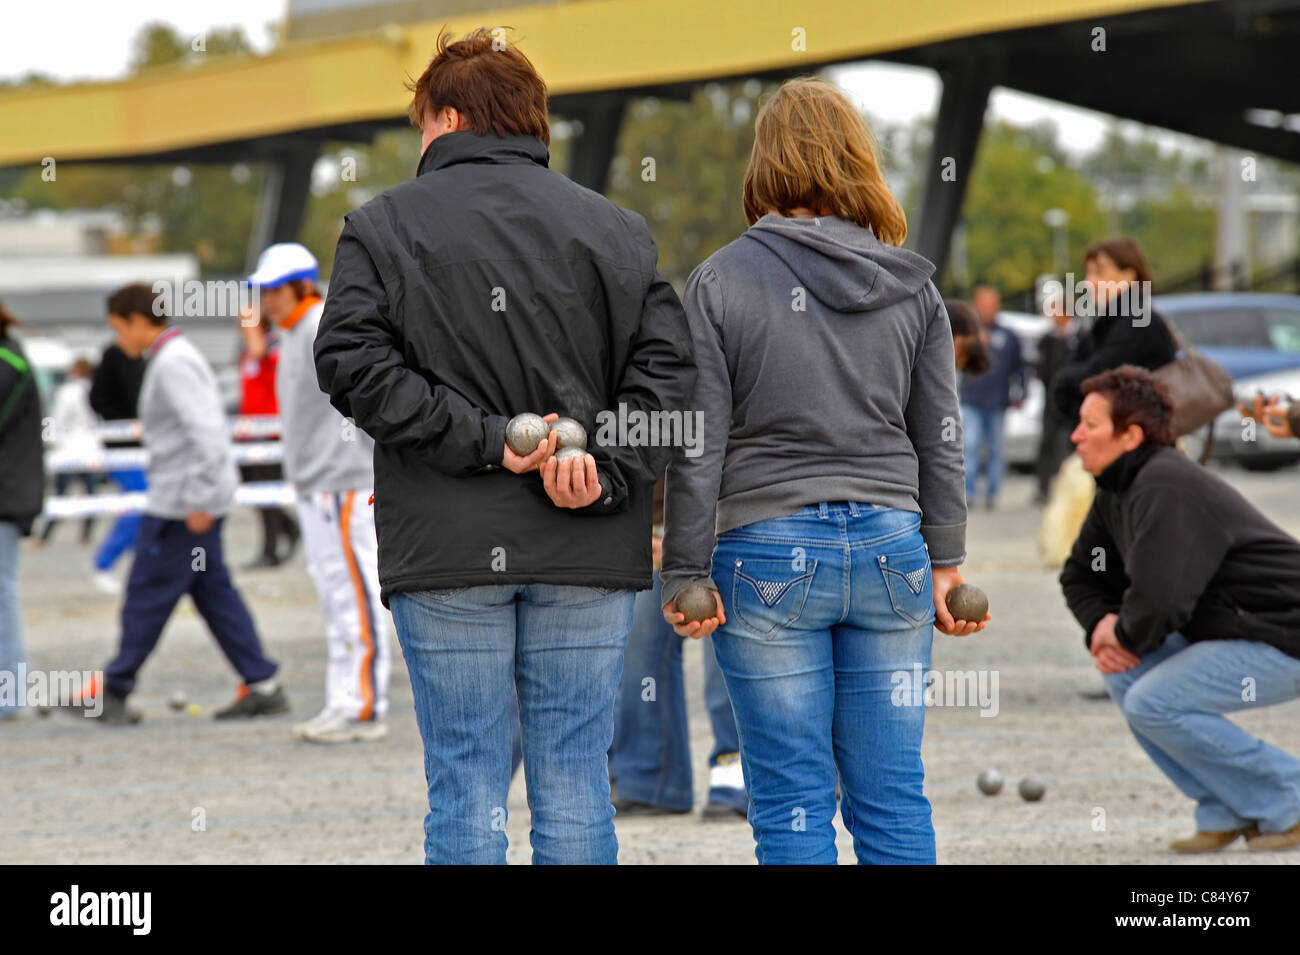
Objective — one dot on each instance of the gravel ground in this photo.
(71, 791)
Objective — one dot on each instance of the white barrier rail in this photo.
(242, 428)
(253, 494)
(133, 459)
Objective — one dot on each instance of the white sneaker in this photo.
(106, 582)
(728, 773)
(323, 716)
(340, 729)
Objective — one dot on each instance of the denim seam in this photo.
(816, 542)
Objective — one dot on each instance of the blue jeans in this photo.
(560, 648)
(982, 432)
(651, 756)
(823, 608)
(11, 611)
(1173, 701)
(121, 537)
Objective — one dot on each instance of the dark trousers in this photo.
(1054, 446)
(170, 561)
(275, 522)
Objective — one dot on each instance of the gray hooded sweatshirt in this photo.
(826, 373)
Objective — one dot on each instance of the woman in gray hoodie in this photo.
(827, 508)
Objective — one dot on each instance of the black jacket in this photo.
(115, 388)
(1170, 546)
(1112, 341)
(485, 287)
(22, 465)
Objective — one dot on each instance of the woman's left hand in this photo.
(946, 578)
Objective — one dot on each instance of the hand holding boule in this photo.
(523, 463)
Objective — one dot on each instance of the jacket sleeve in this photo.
(208, 435)
(691, 493)
(1177, 548)
(15, 381)
(106, 388)
(360, 365)
(933, 422)
(1093, 579)
(1019, 383)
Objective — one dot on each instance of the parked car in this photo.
(1256, 338)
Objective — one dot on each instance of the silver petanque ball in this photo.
(524, 432)
(577, 454)
(569, 433)
(989, 782)
(1032, 789)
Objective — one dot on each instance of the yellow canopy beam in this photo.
(578, 46)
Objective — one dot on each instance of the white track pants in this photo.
(338, 533)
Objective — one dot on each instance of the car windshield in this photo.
(1283, 328)
(1274, 328)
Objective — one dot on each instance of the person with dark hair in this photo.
(192, 481)
(967, 344)
(1189, 599)
(1056, 349)
(985, 399)
(1125, 330)
(22, 489)
(115, 396)
(485, 287)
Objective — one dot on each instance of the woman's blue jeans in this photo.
(823, 608)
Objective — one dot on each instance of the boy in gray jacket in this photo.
(329, 460)
(192, 481)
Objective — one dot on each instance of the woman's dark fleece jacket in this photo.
(1169, 546)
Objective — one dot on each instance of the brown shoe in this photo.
(1210, 841)
(1265, 841)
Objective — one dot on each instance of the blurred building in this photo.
(57, 269)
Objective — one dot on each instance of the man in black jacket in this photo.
(485, 287)
(1190, 603)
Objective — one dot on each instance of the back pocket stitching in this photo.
(779, 592)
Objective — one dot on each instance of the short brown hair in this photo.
(1125, 253)
(489, 80)
(812, 149)
(134, 298)
(7, 319)
(1136, 397)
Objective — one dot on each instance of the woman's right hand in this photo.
(696, 629)
(946, 578)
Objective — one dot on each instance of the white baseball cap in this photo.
(284, 262)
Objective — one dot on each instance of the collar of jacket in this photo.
(468, 146)
(1120, 474)
(294, 317)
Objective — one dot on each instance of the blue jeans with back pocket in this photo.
(824, 608)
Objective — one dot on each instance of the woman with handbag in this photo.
(1120, 335)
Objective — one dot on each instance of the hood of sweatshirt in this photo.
(841, 264)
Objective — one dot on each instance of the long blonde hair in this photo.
(812, 149)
